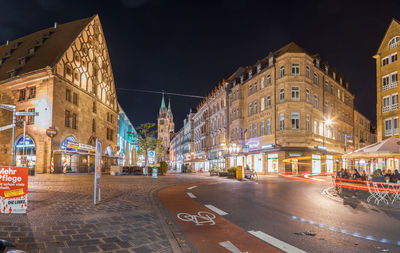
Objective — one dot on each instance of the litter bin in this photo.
(31, 171)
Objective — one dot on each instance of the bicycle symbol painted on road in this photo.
(201, 218)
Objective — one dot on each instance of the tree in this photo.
(145, 139)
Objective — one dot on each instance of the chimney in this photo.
(55, 25)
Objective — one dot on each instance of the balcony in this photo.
(389, 86)
(390, 108)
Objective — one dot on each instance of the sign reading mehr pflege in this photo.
(13, 189)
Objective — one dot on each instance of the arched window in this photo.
(393, 42)
(65, 142)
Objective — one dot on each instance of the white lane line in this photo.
(191, 195)
(229, 246)
(275, 242)
(192, 187)
(216, 210)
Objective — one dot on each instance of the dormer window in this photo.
(334, 75)
(317, 63)
(270, 61)
(47, 34)
(8, 53)
(16, 45)
(241, 78)
(12, 73)
(31, 50)
(326, 69)
(250, 73)
(39, 42)
(258, 68)
(393, 42)
(21, 61)
(341, 81)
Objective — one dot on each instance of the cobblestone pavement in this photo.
(62, 217)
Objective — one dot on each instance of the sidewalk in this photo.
(62, 217)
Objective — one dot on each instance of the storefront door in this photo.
(316, 164)
(273, 163)
(329, 164)
(25, 152)
(258, 163)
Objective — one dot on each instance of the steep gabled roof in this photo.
(49, 45)
(393, 22)
(290, 48)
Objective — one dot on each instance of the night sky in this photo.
(189, 46)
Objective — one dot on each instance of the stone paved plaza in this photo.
(62, 217)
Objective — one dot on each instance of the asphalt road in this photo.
(271, 204)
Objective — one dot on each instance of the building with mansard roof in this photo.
(64, 73)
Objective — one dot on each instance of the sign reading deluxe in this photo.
(13, 189)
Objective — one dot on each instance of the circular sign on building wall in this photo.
(51, 132)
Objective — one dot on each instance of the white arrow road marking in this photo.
(191, 195)
(192, 187)
(216, 210)
(229, 246)
(275, 242)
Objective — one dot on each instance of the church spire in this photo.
(169, 106)
(163, 107)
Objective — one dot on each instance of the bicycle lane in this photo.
(207, 236)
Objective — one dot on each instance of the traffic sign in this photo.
(6, 127)
(27, 113)
(7, 107)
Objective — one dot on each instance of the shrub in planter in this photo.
(164, 167)
(223, 174)
(232, 172)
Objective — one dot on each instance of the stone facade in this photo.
(387, 68)
(74, 93)
(210, 129)
(288, 113)
(363, 131)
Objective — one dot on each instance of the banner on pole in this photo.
(97, 173)
(13, 189)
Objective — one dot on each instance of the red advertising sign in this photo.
(13, 189)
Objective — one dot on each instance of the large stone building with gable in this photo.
(290, 112)
(387, 68)
(64, 73)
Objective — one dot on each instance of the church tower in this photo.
(165, 123)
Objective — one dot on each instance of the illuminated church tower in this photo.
(165, 123)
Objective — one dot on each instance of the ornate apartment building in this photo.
(64, 73)
(210, 129)
(290, 112)
(387, 68)
(165, 124)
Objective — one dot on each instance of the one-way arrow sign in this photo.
(6, 127)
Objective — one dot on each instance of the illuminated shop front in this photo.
(25, 152)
